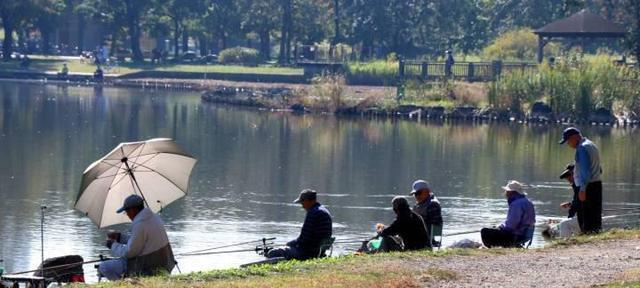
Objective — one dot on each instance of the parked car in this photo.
(211, 58)
(189, 56)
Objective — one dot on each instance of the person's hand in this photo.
(566, 205)
(582, 195)
(112, 235)
(109, 243)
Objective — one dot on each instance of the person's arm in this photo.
(513, 218)
(306, 233)
(583, 168)
(391, 230)
(434, 214)
(134, 245)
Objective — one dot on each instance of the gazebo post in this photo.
(540, 48)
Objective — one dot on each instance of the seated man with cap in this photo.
(317, 227)
(520, 222)
(145, 251)
(570, 226)
(427, 205)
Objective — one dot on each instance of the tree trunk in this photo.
(176, 36)
(336, 19)
(204, 49)
(223, 39)
(636, 10)
(265, 49)
(7, 44)
(134, 31)
(285, 32)
(81, 24)
(289, 29)
(185, 40)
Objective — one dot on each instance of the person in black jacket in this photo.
(427, 205)
(408, 225)
(316, 228)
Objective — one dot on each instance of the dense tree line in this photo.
(408, 27)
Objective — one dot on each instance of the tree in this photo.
(261, 18)
(47, 17)
(285, 31)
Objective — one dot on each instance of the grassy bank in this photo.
(55, 64)
(381, 270)
(575, 86)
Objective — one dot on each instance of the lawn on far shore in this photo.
(53, 63)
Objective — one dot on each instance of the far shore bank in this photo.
(341, 100)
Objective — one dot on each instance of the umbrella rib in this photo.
(142, 163)
(139, 153)
(114, 183)
(119, 173)
(161, 175)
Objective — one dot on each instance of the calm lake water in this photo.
(252, 164)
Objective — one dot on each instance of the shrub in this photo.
(239, 55)
(518, 44)
(573, 85)
(376, 71)
(329, 90)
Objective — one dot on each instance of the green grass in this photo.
(42, 63)
(397, 269)
(612, 234)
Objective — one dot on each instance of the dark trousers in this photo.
(492, 237)
(590, 213)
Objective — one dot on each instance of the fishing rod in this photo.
(461, 233)
(58, 267)
(621, 209)
(223, 252)
(263, 240)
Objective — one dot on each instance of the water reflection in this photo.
(253, 164)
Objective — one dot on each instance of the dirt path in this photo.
(574, 266)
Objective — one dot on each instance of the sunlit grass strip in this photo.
(40, 63)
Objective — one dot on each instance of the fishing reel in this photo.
(266, 246)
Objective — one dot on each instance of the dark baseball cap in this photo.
(130, 202)
(568, 133)
(306, 194)
(567, 171)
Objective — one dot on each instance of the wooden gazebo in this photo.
(583, 24)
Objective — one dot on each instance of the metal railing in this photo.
(470, 71)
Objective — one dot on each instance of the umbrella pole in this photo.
(125, 160)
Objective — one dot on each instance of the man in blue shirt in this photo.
(587, 173)
(520, 222)
(316, 228)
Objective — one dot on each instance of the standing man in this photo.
(586, 175)
(146, 251)
(448, 64)
(427, 205)
(521, 219)
(316, 228)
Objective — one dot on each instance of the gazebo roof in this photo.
(582, 24)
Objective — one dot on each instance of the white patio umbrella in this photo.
(156, 169)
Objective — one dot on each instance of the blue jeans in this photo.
(113, 269)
